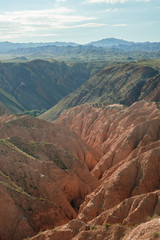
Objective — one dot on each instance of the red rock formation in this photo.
(80, 231)
(42, 181)
(126, 160)
(145, 231)
(131, 211)
(28, 129)
(113, 131)
(130, 164)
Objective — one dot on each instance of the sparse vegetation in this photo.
(42, 199)
(93, 227)
(155, 215)
(155, 235)
(16, 188)
(150, 218)
(107, 225)
(34, 113)
(55, 229)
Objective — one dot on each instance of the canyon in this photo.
(94, 173)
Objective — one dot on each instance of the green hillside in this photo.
(10, 101)
(118, 83)
(41, 84)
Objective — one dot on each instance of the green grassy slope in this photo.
(118, 83)
(40, 84)
(10, 101)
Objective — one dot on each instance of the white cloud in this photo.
(111, 10)
(16, 35)
(85, 25)
(106, 1)
(120, 25)
(58, 16)
(41, 22)
(143, 0)
(114, 1)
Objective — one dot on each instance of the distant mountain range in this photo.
(110, 42)
(126, 45)
(7, 46)
(105, 43)
(106, 49)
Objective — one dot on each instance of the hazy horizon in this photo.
(79, 42)
(78, 21)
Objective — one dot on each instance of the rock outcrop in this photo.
(77, 230)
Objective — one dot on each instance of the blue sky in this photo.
(79, 21)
